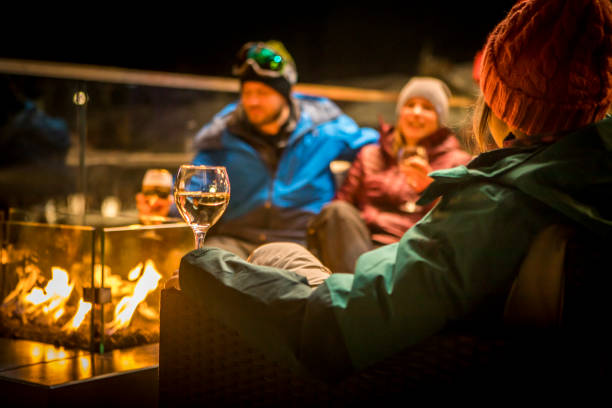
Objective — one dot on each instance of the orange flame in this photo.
(127, 305)
(58, 314)
(135, 272)
(84, 308)
(50, 301)
(54, 296)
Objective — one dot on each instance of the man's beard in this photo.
(268, 119)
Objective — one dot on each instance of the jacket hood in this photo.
(311, 111)
(572, 176)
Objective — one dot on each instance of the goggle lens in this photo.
(265, 58)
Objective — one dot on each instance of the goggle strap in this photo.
(288, 72)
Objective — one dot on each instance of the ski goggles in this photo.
(264, 61)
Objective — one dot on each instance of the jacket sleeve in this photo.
(457, 263)
(389, 188)
(354, 136)
(384, 188)
(264, 304)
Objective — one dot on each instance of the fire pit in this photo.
(42, 375)
(87, 288)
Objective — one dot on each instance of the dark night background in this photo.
(327, 41)
(377, 46)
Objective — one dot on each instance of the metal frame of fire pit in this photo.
(94, 288)
(42, 375)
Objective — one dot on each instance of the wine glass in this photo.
(201, 194)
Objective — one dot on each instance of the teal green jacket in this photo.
(455, 266)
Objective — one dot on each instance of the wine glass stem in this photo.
(200, 235)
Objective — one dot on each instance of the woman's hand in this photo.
(416, 170)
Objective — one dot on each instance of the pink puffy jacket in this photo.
(375, 185)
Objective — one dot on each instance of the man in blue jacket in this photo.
(277, 147)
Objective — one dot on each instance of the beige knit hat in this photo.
(432, 89)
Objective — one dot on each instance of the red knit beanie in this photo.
(547, 67)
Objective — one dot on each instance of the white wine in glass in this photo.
(201, 194)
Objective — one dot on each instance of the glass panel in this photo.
(47, 275)
(137, 261)
(85, 146)
(75, 145)
(36, 133)
(44, 272)
(133, 128)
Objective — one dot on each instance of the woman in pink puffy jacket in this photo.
(377, 202)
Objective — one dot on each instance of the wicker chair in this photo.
(202, 362)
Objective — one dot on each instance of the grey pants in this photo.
(283, 255)
(237, 246)
(293, 257)
(338, 236)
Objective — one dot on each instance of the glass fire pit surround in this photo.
(83, 287)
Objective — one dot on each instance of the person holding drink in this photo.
(276, 147)
(546, 90)
(154, 198)
(377, 202)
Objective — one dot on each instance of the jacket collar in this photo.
(307, 113)
(431, 143)
(572, 175)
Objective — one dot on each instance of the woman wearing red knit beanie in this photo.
(502, 230)
(546, 71)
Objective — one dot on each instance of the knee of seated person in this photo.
(272, 249)
(338, 207)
